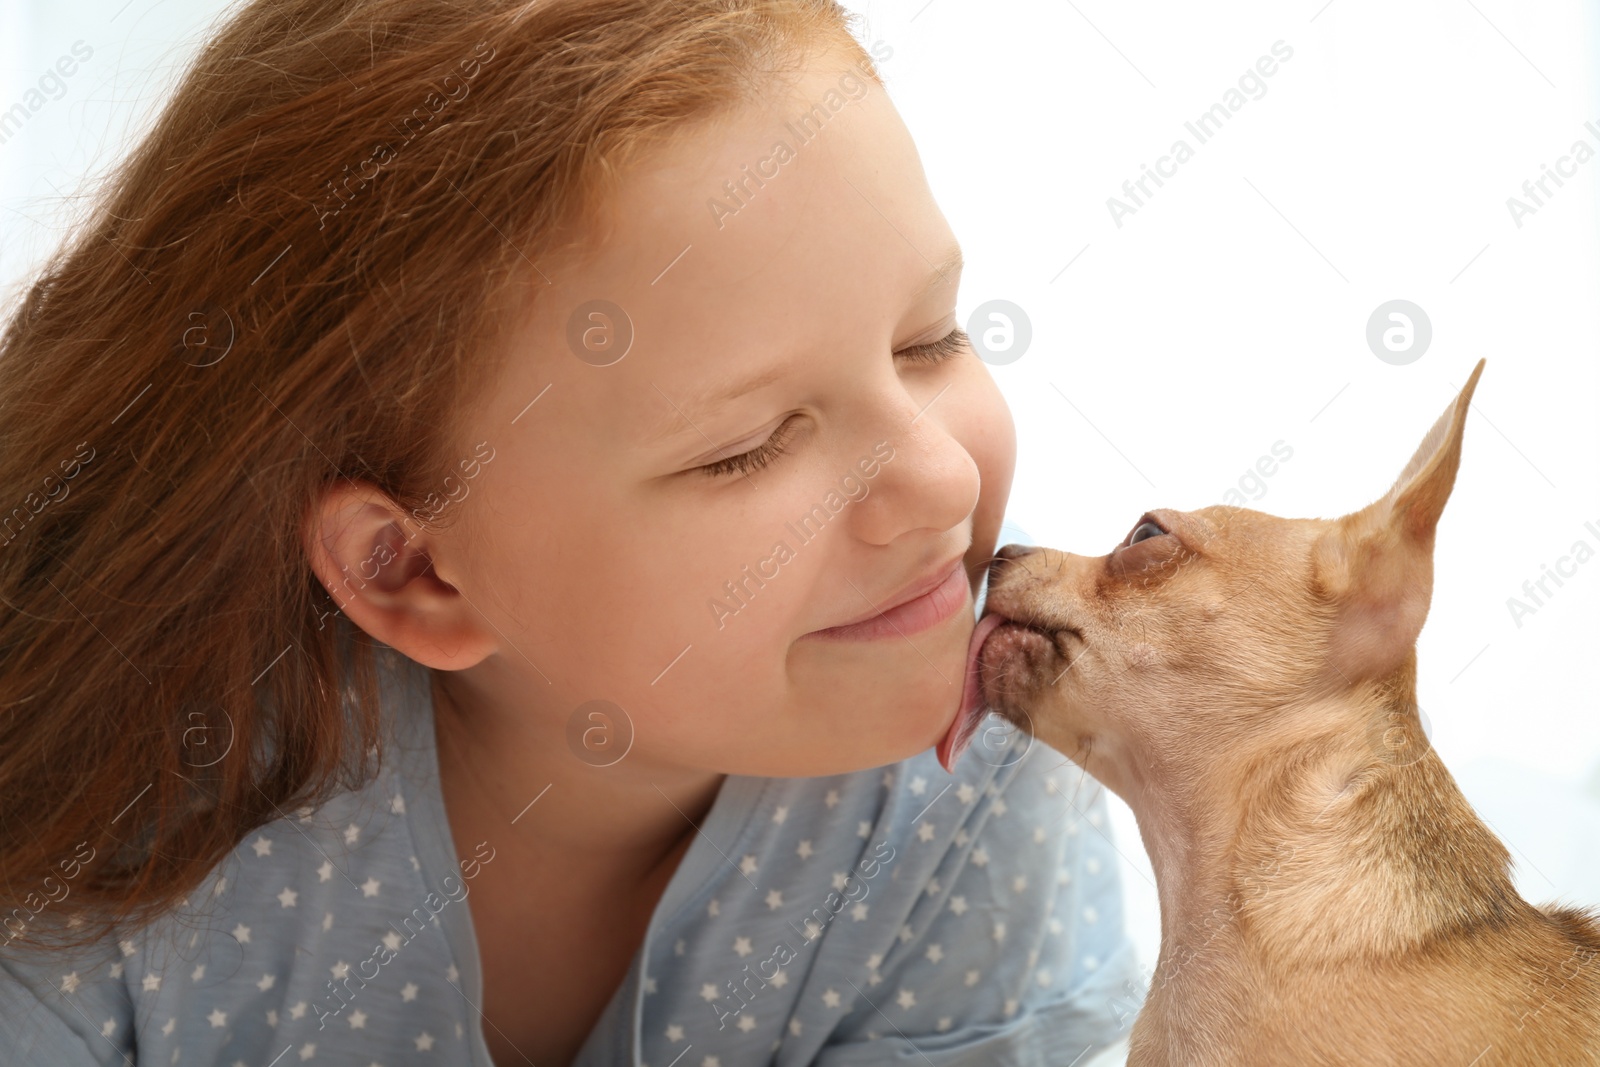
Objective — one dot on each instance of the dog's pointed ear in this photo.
(1375, 566)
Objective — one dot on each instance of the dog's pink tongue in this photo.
(959, 736)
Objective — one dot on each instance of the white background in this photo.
(1228, 313)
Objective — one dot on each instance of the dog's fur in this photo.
(1247, 684)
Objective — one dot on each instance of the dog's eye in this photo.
(1144, 531)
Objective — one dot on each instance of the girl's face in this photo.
(794, 320)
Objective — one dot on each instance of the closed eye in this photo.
(947, 347)
(951, 344)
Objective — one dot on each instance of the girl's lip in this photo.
(924, 612)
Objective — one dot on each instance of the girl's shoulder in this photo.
(319, 924)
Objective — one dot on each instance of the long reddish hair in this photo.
(294, 278)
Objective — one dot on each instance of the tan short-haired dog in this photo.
(1247, 684)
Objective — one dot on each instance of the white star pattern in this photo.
(241, 934)
(804, 851)
(747, 866)
(262, 845)
(741, 945)
(351, 834)
(369, 888)
(288, 897)
(408, 992)
(781, 813)
(830, 997)
(424, 1041)
(218, 1018)
(325, 872)
(674, 1032)
(774, 899)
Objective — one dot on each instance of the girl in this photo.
(499, 498)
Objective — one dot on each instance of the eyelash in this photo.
(951, 344)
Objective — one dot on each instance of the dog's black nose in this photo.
(1010, 552)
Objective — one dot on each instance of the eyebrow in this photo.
(688, 412)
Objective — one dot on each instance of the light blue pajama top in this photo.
(891, 915)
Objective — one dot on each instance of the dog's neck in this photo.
(1255, 852)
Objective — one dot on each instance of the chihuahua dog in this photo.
(1247, 684)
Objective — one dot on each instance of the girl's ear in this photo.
(378, 566)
